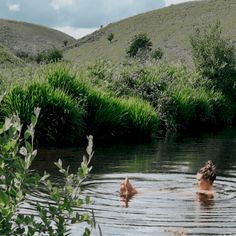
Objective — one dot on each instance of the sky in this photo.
(77, 17)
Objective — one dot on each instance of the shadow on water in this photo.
(163, 172)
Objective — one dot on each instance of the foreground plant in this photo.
(54, 218)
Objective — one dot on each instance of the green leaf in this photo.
(28, 146)
(9, 145)
(27, 134)
(4, 199)
(33, 120)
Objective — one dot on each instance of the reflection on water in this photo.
(164, 175)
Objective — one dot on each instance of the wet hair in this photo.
(207, 172)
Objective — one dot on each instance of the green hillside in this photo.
(168, 28)
(20, 37)
(7, 58)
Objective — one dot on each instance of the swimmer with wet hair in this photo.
(126, 189)
(206, 176)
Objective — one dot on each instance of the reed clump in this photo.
(108, 117)
(62, 119)
(183, 100)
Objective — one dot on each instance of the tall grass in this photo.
(183, 100)
(108, 117)
(200, 109)
(62, 119)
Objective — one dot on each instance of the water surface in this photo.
(163, 172)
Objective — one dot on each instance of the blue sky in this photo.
(77, 17)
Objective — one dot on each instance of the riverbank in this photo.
(132, 103)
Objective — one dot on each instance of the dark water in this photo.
(164, 175)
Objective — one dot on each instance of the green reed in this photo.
(62, 119)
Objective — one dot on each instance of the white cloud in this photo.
(57, 4)
(76, 32)
(169, 2)
(14, 7)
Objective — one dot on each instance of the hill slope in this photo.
(30, 38)
(7, 58)
(168, 28)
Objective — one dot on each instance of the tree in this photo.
(139, 43)
(65, 42)
(214, 56)
(110, 37)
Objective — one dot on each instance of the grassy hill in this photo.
(7, 58)
(20, 37)
(168, 28)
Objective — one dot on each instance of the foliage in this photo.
(7, 58)
(214, 57)
(65, 42)
(139, 43)
(157, 54)
(54, 216)
(100, 71)
(51, 55)
(183, 101)
(108, 117)
(62, 119)
(110, 37)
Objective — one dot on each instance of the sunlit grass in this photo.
(62, 119)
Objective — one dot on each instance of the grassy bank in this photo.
(72, 108)
(131, 103)
(183, 100)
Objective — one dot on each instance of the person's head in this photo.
(206, 176)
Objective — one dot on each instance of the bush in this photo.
(214, 57)
(183, 101)
(157, 54)
(140, 43)
(61, 121)
(52, 55)
(110, 37)
(53, 217)
(108, 117)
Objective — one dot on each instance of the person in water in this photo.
(127, 191)
(206, 176)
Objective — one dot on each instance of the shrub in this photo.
(100, 72)
(53, 217)
(108, 117)
(61, 121)
(65, 42)
(183, 101)
(51, 55)
(157, 54)
(214, 57)
(110, 37)
(139, 43)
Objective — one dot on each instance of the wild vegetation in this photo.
(26, 40)
(130, 102)
(54, 216)
(135, 100)
(168, 28)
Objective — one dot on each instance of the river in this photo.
(164, 173)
